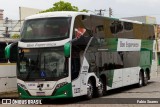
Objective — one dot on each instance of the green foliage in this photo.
(84, 10)
(63, 6)
(15, 36)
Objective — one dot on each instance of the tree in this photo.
(84, 10)
(15, 36)
(62, 6)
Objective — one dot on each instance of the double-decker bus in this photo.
(70, 54)
(8, 78)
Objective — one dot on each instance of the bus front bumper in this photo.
(63, 92)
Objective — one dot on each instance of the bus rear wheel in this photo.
(90, 90)
(140, 83)
(100, 88)
(145, 79)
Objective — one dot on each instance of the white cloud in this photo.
(121, 8)
(128, 8)
(137, 1)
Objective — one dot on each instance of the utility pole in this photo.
(100, 12)
(110, 12)
(6, 30)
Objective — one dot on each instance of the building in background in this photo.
(1, 14)
(25, 11)
(11, 28)
(143, 19)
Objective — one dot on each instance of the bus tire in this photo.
(145, 79)
(140, 82)
(90, 90)
(100, 88)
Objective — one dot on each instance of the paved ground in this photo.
(87, 105)
(9, 94)
(129, 94)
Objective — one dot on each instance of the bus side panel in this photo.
(122, 77)
(76, 86)
(117, 78)
(145, 59)
(126, 76)
(134, 72)
(79, 85)
(130, 75)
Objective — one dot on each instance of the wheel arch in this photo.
(104, 78)
(148, 73)
(142, 71)
(93, 80)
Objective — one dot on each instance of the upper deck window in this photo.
(46, 29)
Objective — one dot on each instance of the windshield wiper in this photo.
(44, 62)
(30, 65)
(29, 70)
(37, 62)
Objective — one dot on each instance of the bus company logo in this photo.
(6, 101)
(30, 45)
(20, 101)
(40, 86)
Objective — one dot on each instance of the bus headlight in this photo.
(22, 86)
(61, 85)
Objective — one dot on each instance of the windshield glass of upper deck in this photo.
(46, 29)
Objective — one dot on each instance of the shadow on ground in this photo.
(82, 100)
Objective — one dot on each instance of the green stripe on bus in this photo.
(111, 44)
(58, 94)
(147, 45)
(67, 88)
(23, 93)
(110, 75)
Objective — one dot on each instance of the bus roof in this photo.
(56, 14)
(132, 21)
(73, 14)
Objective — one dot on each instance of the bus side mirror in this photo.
(67, 48)
(7, 51)
(11, 48)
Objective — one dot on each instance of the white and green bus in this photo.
(8, 78)
(70, 54)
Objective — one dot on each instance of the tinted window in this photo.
(46, 29)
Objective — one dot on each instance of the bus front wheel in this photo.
(90, 89)
(101, 90)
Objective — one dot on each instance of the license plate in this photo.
(40, 93)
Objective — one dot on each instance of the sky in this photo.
(121, 8)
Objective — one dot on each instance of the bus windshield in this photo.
(47, 64)
(46, 29)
